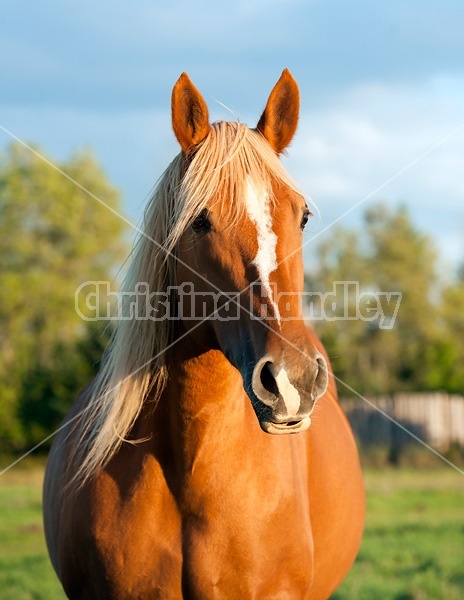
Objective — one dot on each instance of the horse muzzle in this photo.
(284, 399)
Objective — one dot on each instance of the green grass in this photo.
(413, 546)
(25, 570)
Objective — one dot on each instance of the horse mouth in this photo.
(285, 428)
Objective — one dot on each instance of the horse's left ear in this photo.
(280, 117)
(190, 119)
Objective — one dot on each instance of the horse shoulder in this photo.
(119, 535)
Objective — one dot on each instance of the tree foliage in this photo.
(53, 237)
(424, 350)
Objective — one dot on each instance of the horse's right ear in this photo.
(190, 119)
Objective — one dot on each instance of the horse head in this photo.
(242, 248)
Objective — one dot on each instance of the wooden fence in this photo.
(435, 418)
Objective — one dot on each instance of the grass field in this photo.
(413, 547)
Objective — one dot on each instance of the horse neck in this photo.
(213, 429)
(206, 402)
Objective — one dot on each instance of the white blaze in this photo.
(258, 209)
(289, 393)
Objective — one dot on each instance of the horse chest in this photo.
(246, 537)
(246, 529)
(255, 555)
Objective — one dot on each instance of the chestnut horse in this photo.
(175, 475)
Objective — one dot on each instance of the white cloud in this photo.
(342, 154)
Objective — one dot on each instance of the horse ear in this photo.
(190, 119)
(280, 117)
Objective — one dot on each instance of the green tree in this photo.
(448, 353)
(53, 237)
(387, 255)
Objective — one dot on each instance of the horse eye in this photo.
(305, 219)
(201, 222)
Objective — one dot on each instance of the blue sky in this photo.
(381, 84)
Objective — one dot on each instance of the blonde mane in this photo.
(134, 366)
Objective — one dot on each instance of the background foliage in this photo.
(53, 237)
(424, 350)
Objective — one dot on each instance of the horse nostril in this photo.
(321, 379)
(268, 381)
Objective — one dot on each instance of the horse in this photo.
(209, 457)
